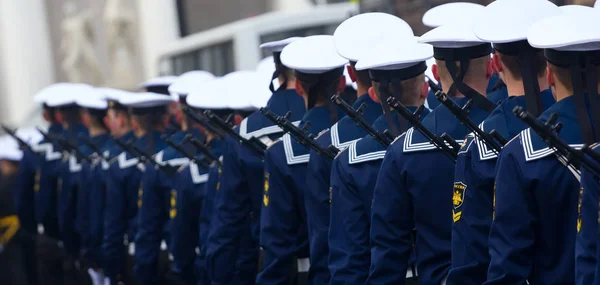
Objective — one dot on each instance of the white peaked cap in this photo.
(568, 32)
(93, 101)
(63, 94)
(312, 55)
(505, 21)
(266, 68)
(113, 94)
(597, 4)
(245, 90)
(574, 8)
(185, 83)
(395, 53)
(157, 81)
(355, 36)
(277, 46)
(9, 149)
(458, 34)
(209, 95)
(450, 12)
(29, 135)
(145, 100)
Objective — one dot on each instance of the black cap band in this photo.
(149, 110)
(465, 53)
(515, 48)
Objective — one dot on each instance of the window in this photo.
(217, 59)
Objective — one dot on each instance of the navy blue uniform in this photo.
(68, 180)
(283, 228)
(120, 215)
(533, 233)
(353, 178)
(238, 203)
(413, 190)
(46, 196)
(342, 134)
(586, 254)
(476, 170)
(189, 219)
(91, 200)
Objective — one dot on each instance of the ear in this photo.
(436, 72)
(351, 72)
(85, 119)
(490, 69)
(341, 84)
(425, 90)
(550, 77)
(496, 64)
(299, 89)
(106, 121)
(373, 95)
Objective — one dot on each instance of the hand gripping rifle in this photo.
(22, 144)
(548, 132)
(202, 148)
(252, 143)
(179, 148)
(494, 140)
(65, 144)
(300, 134)
(356, 116)
(415, 121)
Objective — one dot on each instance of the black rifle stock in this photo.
(181, 149)
(300, 135)
(462, 114)
(12, 133)
(205, 122)
(94, 147)
(252, 143)
(202, 148)
(356, 116)
(547, 131)
(65, 144)
(143, 156)
(415, 121)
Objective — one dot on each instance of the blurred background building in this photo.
(119, 43)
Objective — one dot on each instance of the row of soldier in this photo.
(496, 185)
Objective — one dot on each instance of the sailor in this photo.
(152, 239)
(237, 210)
(396, 66)
(353, 38)
(475, 166)
(124, 183)
(283, 229)
(415, 180)
(15, 241)
(160, 85)
(446, 14)
(529, 241)
(91, 190)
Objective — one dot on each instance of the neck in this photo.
(139, 133)
(515, 87)
(291, 84)
(96, 131)
(361, 90)
(479, 87)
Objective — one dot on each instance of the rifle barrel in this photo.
(360, 121)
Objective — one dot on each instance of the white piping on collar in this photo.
(197, 178)
(126, 163)
(485, 153)
(335, 138)
(354, 158)
(410, 147)
(74, 166)
(260, 132)
(531, 154)
(289, 152)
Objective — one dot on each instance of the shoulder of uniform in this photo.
(357, 153)
(198, 177)
(291, 157)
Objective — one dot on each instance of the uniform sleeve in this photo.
(184, 228)
(587, 230)
(96, 202)
(391, 224)
(512, 233)
(151, 218)
(349, 252)
(317, 204)
(229, 216)
(67, 208)
(25, 186)
(46, 198)
(278, 224)
(82, 220)
(115, 224)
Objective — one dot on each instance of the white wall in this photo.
(26, 63)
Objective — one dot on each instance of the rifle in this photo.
(202, 148)
(548, 132)
(65, 144)
(300, 134)
(94, 147)
(179, 148)
(414, 120)
(494, 140)
(252, 143)
(356, 116)
(432, 85)
(12, 133)
(205, 122)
